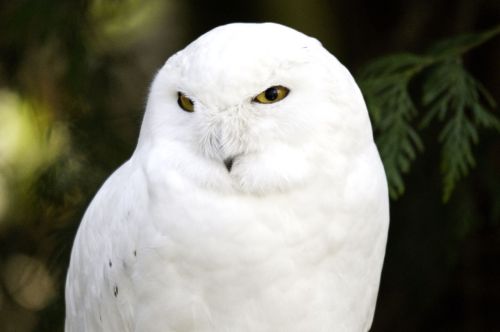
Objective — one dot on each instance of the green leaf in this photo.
(458, 45)
(462, 101)
(449, 94)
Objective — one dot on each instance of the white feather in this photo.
(291, 239)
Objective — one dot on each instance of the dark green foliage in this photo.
(447, 93)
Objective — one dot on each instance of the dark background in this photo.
(74, 78)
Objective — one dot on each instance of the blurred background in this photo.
(74, 78)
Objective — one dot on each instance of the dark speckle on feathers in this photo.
(115, 290)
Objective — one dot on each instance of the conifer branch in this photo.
(449, 95)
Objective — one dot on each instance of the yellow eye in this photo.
(184, 102)
(272, 95)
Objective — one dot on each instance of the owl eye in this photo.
(184, 102)
(272, 95)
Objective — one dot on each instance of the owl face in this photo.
(254, 107)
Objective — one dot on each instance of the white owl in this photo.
(255, 199)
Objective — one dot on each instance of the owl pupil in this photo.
(271, 93)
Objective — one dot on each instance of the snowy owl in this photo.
(255, 200)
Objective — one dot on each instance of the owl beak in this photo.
(229, 163)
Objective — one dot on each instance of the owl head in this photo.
(253, 107)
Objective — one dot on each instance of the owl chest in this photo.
(229, 258)
(210, 230)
